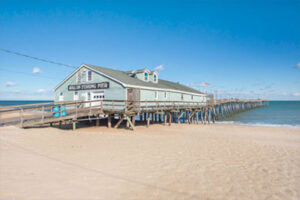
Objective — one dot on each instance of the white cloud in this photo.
(296, 94)
(36, 70)
(41, 91)
(159, 68)
(10, 84)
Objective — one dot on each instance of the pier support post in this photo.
(165, 118)
(109, 121)
(133, 120)
(170, 118)
(74, 125)
(148, 121)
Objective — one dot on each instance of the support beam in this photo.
(179, 117)
(165, 118)
(120, 121)
(170, 118)
(130, 123)
(133, 120)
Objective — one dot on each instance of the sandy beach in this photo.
(161, 162)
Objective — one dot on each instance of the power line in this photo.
(28, 74)
(36, 58)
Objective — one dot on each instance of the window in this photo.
(89, 75)
(61, 96)
(88, 96)
(146, 76)
(156, 95)
(166, 96)
(155, 78)
(192, 97)
(182, 97)
(75, 98)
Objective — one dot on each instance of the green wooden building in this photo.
(91, 82)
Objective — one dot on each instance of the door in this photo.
(76, 96)
(97, 95)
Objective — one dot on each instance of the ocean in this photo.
(21, 102)
(277, 113)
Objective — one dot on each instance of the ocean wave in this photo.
(258, 124)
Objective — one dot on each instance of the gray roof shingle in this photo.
(127, 80)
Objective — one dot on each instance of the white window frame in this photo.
(146, 76)
(155, 78)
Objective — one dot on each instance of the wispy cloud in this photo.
(159, 68)
(10, 84)
(36, 70)
(298, 65)
(296, 94)
(41, 91)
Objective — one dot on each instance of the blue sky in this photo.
(244, 49)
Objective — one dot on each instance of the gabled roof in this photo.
(128, 81)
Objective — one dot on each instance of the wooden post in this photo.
(74, 125)
(170, 118)
(60, 123)
(165, 118)
(133, 120)
(130, 123)
(148, 121)
(109, 121)
(120, 121)
(97, 122)
(197, 117)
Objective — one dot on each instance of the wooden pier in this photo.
(116, 112)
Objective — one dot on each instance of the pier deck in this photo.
(147, 111)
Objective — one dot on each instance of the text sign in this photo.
(91, 86)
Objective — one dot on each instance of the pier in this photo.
(113, 113)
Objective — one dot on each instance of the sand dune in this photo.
(162, 162)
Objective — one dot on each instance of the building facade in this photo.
(91, 82)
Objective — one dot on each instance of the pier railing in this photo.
(42, 113)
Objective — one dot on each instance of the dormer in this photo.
(154, 76)
(142, 74)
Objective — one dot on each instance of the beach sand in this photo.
(161, 162)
